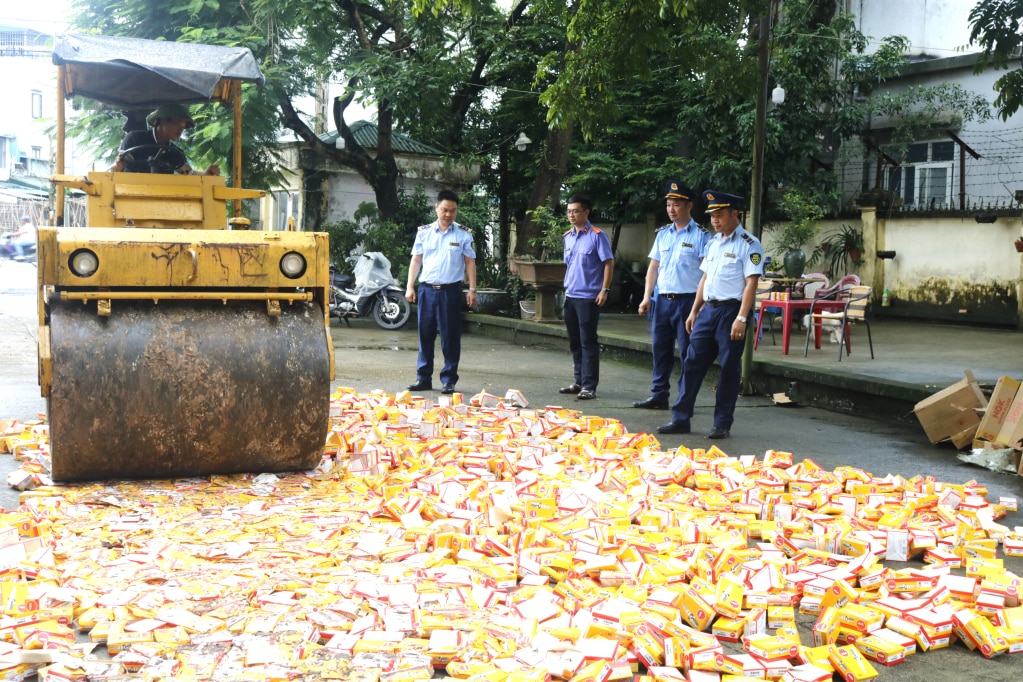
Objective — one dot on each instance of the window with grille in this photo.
(924, 180)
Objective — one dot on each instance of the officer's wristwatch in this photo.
(741, 318)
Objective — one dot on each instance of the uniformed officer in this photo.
(590, 265)
(444, 251)
(718, 321)
(674, 269)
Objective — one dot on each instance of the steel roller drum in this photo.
(186, 388)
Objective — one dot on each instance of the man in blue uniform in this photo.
(444, 252)
(674, 268)
(718, 321)
(587, 284)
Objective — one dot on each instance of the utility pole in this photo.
(756, 195)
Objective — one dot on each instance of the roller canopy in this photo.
(135, 73)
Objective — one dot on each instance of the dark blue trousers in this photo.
(581, 318)
(440, 310)
(669, 330)
(711, 338)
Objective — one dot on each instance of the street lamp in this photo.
(503, 226)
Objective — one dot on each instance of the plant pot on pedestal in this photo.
(547, 278)
(794, 263)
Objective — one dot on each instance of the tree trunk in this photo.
(314, 193)
(385, 175)
(547, 186)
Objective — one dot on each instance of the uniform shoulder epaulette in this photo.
(662, 227)
(747, 237)
(596, 229)
(423, 227)
(567, 232)
(703, 228)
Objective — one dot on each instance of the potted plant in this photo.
(549, 268)
(802, 227)
(493, 295)
(839, 249)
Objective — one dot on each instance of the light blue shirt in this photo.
(443, 253)
(679, 253)
(729, 262)
(586, 250)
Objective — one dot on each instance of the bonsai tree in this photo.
(550, 244)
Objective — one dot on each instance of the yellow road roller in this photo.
(172, 342)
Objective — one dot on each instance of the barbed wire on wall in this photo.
(992, 180)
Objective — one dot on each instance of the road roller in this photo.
(173, 341)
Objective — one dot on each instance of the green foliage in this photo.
(838, 249)
(803, 212)
(214, 23)
(551, 242)
(996, 28)
(368, 230)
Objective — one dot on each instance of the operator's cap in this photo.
(673, 189)
(171, 111)
(716, 200)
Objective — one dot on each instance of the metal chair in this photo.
(855, 301)
(764, 288)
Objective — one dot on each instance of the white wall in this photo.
(934, 27)
(22, 76)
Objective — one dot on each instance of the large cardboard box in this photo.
(1012, 426)
(998, 407)
(952, 414)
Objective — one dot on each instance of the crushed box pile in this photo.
(962, 415)
(494, 543)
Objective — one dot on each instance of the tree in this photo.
(422, 70)
(995, 26)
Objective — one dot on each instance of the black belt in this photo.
(450, 285)
(672, 297)
(727, 301)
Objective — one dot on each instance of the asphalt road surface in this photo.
(369, 358)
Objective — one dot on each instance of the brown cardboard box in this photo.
(998, 407)
(1012, 427)
(951, 414)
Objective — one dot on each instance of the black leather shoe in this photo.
(718, 432)
(652, 403)
(674, 427)
(421, 385)
(448, 389)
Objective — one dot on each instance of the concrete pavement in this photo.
(912, 359)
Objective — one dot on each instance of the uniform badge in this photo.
(754, 258)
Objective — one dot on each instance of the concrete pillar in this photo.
(873, 241)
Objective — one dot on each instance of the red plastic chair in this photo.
(845, 283)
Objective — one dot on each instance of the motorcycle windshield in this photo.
(372, 272)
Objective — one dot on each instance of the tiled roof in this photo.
(365, 134)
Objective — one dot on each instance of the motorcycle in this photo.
(8, 251)
(372, 291)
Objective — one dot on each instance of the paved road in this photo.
(369, 358)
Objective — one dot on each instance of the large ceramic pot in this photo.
(794, 263)
(493, 302)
